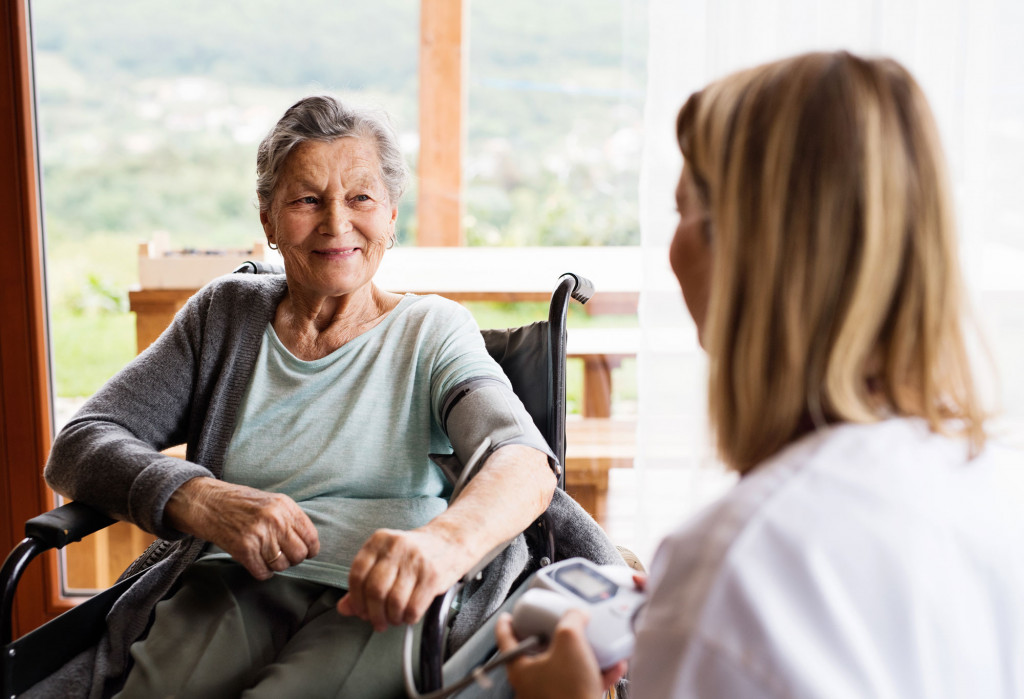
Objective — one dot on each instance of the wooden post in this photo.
(442, 110)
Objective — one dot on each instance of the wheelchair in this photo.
(532, 356)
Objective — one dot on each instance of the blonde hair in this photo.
(835, 292)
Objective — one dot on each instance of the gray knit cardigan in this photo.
(186, 388)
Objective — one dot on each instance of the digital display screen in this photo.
(585, 583)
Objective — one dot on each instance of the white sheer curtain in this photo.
(967, 57)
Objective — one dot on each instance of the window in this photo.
(555, 122)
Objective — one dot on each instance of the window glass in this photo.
(556, 96)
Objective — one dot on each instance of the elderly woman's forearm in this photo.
(97, 461)
(186, 501)
(513, 488)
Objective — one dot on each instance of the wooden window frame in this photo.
(25, 416)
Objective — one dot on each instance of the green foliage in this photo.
(257, 42)
(97, 296)
(89, 349)
(92, 334)
(100, 267)
(564, 211)
(511, 315)
(490, 314)
(162, 190)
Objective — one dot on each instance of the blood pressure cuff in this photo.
(485, 408)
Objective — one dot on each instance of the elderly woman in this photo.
(867, 550)
(308, 524)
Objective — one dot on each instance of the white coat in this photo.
(861, 561)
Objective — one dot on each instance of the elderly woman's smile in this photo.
(331, 217)
(337, 253)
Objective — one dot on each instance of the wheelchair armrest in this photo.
(66, 524)
(51, 530)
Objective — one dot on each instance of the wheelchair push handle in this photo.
(583, 290)
(257, 267)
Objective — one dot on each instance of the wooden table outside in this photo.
(594, 446)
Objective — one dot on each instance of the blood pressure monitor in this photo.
(606, 592)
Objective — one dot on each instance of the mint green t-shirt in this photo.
(347, 436)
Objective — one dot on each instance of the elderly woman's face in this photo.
(690, 252)
(331, 216)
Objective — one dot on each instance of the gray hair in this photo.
(324, 118)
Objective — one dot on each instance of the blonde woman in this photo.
(867, 550)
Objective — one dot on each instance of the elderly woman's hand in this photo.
(567, 669)
(397, 574)
(265, 532)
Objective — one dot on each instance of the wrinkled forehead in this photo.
(354, 161)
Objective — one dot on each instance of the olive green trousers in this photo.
(225, 634)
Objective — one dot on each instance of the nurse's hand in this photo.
(567, 669)
(265, 532)
(396, 575)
